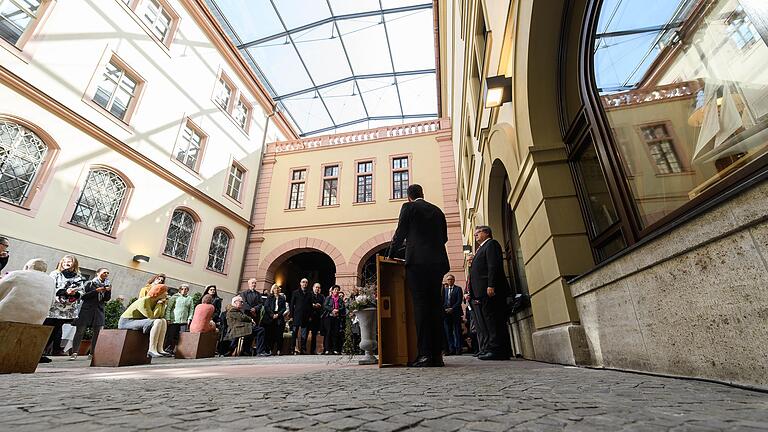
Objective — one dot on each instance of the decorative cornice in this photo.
(26, 89)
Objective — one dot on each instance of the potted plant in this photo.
(85, 343)
(364, 308)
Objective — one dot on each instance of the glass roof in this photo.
(339, 65)
(630, 35)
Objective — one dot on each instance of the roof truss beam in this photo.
(353, 122)
(354, 78)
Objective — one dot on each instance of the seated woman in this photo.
(26, 295)
(154, 280)
(146, 315)
(202, 318)
(240, 325)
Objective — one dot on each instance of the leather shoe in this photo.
(478, 354)
(492, 356)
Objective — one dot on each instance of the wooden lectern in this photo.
(397, 330)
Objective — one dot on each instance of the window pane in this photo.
(217, 252)
(223, 94)
(241, 114)
(115, 91)
(100, 201)
(15, 17)
(687, 107)
(602, 212)
(179, 235)
(22, 153)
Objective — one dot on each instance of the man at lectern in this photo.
(424, 227)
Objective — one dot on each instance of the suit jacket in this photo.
(329, 307)
(252, 299)
(238, 324)
(301, 307)
(317, 313)
(424, 227)
(488, 271)
(455, 298)
(271, 307)
(92, 308)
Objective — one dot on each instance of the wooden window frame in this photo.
(133, 6)
(188, 122)
(323, 179)
(232, 164)
(292, 182)
(90, 93)
(20, 48)
(235, 97)
(372, 173)
(409, 158)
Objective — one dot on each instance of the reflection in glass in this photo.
(689, 109)
(602, 212)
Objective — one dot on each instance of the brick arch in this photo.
(368, 248)
(270, 263)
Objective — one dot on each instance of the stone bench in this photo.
(21, 346)
(195, 345)
(121, 348)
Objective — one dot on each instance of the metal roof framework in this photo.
(335, 65)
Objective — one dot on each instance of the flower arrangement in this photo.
(366, 299)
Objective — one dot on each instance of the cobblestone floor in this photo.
(332, 394)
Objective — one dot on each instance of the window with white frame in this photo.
(400, 177)
(223, 94)
(190, 146)
(116, 90)
(217, 252)
(330, 185)
(661, 148)
(178, 240)
(241, 114)
(99, 203)
(740, 29)
(298, 182)
(364, 182)
(235, 181)
(16, 17)
(157, 18)
(22, 154)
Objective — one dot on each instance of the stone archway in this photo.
(266, 272)
(366, 250)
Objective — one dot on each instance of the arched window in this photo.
(100, 201)
(217, 253)
(179, 237)
(22, 154)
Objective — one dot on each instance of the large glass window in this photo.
(157, 18)
(400, 177)
(296, 198)
(217, 252)
(188, 149)
(99, 204)
(364, 182)
(330, 185)
(16, 16)
(116, 90)
(22, 153)
(179, 237)
(235, 181)
(684, 86)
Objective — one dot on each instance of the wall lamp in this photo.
(141, 258)
(497, 91)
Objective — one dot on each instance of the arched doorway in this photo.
(316, 266)
(501, 218)
(366, 274)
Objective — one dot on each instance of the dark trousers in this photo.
(79, 337)
(334, 336)
(54, 341)
(491, 322)
(425, 285)
(273, 335)
(452, 331)
(300, 333)
(314, 329)
(257, 335)
(172, 335)
(480, 330)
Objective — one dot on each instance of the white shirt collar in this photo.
(484, 242)
(419, 199)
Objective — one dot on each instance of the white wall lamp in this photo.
(497, 91)
(141, 258)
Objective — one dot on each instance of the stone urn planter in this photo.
(367, 319)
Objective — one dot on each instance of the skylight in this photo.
(339, 65)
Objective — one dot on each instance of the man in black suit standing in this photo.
(301, 309)
(424, 227)
(489, 293)
(452, 299)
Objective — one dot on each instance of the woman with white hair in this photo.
(26, 295)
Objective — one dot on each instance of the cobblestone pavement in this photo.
(332, 394)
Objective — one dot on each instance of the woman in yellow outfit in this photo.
(147, 315)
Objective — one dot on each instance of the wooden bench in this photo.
(196, 345)
(121, 348)
(21, 346)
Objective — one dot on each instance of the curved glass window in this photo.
(217, 253)
(22, 153)
(99, 203)
(684, 85)
(179, 237)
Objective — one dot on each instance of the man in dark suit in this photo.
(489, 293)
(452, 297)
(315, 317)
(424, 227)
(301, 309)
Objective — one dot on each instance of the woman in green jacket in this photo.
(146, 314)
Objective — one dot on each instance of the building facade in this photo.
(633, 214)
(139, 132)
(326, 206)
